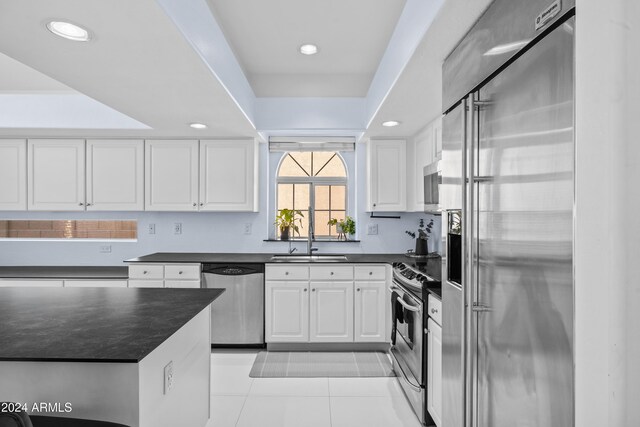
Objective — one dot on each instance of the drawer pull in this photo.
(195, 204)
(358, 289)
(434, 311)
(179, 272)
(332, 273)
(286, 273)
(313, 289)
(145, 272)
(305, 289)
(371, 273)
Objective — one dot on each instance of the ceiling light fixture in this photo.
(308, 49)
(390, 123)
(68, 31)
(198, 125)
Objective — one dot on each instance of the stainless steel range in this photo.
(409, 292)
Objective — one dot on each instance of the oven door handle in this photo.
(407, 306)
(406, 378)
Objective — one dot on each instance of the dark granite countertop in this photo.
(116, 325)
(63, 272)
(432, 265)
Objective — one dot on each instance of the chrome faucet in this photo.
(310, 248)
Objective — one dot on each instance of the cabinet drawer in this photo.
(182, 284)
(146, 284)
(370, 272)
(182, 271)
(30, 283)
(146, 271)
(331, 272)
(287, 272)
(435, 309)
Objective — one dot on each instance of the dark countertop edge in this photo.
(69, 272)
(204, 258)
(315, 241)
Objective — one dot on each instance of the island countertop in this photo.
(108, 325)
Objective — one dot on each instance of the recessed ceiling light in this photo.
(198, 125)
(308, 49)
(390, 123)
(68, 31)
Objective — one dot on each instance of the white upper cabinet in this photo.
(56, 174)
(228, 175)
(387, 175)
(171, 175)
(115, 175)
(13, 174)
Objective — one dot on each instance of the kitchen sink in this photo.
(309, 258)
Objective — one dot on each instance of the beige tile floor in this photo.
(238, 400)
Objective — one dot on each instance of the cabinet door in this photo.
(228, 175)
(146, 283)
(370, 311)
(171, 175)
(434, 372)
(56, 174)
(331, 312)
(185, 284)
(13, 174)
(115, 175)
(387, 173)
(287, 311)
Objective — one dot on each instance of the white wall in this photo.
(607, 271)
(209, 232)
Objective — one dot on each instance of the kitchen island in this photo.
(140, 357)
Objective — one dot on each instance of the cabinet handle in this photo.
(434, 311)
(80, 204)
(313, 289)
(332, 273)
(201, 204)
(371, 273)
(179, 272)
(286, 273)
(88, 204)
(144, 272)
(358, 289)
(305, 289)
(195, 204)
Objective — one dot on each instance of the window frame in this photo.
(312, 181)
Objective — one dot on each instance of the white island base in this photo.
(132, 394)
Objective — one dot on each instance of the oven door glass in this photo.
(409, 341)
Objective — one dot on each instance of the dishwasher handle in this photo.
(225, 269)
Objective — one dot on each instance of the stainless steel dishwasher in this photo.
(237, 316)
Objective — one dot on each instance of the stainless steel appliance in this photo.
(237, 317)
(432, 178)
(409, 291)
(508, 177)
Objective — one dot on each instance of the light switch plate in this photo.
(168, 377)
(152, 229)
(177, 228)
(247, 228)
(105, 249)
(372, 229)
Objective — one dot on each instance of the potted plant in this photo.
(344, 227)
(422, 237)
(287, 220)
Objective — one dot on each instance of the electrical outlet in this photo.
(177, 228)
(372, 229)
(106, 249)
(152, 229)
(247, 228)
(168, 377)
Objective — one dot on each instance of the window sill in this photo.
(314, 240)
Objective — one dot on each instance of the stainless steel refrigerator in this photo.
(508, 194)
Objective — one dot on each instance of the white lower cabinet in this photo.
(287, 311)
(31, 283)
(323, 304)
(434, 371)
(146, 283)
(331, 312)
(370, 312)
(96, 283)
(164, 275)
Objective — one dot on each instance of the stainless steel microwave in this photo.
(432, 180)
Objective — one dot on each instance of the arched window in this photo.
(317, 179)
